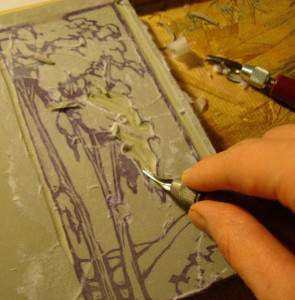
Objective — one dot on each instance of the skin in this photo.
(261, 167)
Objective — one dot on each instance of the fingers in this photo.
(263, 263)
(259, 167)
(281, 132)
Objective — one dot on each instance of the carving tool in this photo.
(279, 220)
(282, 88)
(181, 193)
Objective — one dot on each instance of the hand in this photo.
(260, 167)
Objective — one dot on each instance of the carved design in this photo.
(119, 272)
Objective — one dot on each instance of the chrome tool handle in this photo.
(255, 76)
(184, 195)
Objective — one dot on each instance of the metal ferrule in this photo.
(184, 195)
(255, 76)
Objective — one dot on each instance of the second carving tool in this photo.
(279, 220)
(282, 88)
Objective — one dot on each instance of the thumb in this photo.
(262, 262)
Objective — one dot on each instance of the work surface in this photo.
(250, 32)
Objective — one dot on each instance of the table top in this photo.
(250, 32)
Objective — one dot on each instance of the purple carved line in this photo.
(96, 162)
(192, 258)
(187, 139)
(139, 274)
(97, 138)
(113, 5)
(147, 271)
(80, 206)
(149, 244)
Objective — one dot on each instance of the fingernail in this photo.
(197, 219)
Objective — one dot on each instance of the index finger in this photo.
(281, 132)
(258, 167)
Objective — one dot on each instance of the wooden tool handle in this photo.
(284, 90)
(279, 220)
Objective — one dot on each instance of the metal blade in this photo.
(165, 184)
(234, 66)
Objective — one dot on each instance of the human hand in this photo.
(260, 167)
